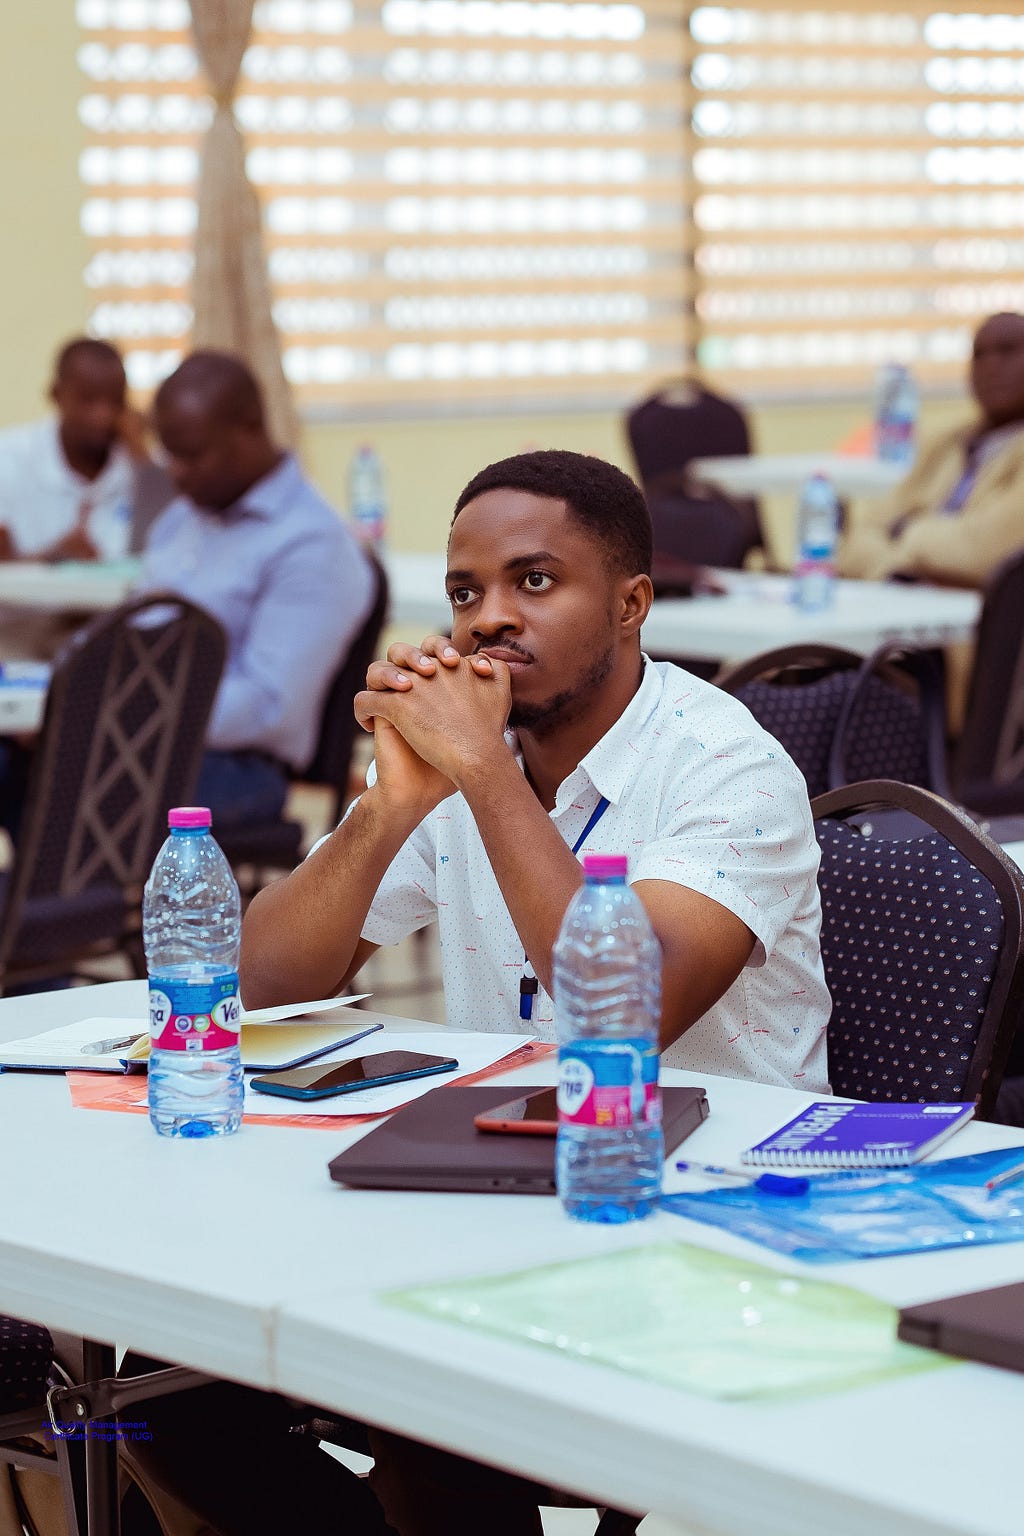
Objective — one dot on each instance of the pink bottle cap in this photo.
(190, 816)
(605, 866)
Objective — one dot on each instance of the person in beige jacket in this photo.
(960, 511)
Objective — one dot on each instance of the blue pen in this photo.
(767, 1183)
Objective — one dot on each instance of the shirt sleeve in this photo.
(406, 898)
(740, 831)
(315, 597)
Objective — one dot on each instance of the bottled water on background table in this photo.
(817, 538)
(607, 992)
(897, 406)
(191, 921)
(367, 499)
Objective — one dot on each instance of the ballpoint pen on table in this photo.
(1008, 1176)
(767, 1183)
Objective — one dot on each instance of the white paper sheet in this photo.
(473, 1050)
(66, 1047)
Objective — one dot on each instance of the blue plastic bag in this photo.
(872, 1213)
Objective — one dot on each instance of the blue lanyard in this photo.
(528, 983)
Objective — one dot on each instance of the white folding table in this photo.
(72, 586)
(238, 1256)
(764, 474)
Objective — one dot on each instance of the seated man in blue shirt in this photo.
(251, 541)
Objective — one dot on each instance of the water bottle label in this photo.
(608, 1083)
(194, 1015)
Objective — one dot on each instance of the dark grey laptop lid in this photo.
(979, 1325)
(433, 1144)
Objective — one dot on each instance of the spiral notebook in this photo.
(834, 1134)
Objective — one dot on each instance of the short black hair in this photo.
(85, 347)
(602, 499)
(224, 383)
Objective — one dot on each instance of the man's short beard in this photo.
(562, 708)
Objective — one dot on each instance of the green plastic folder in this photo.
(687, 1318)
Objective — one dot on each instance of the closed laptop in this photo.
(433, 1144)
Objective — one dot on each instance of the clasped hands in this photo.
(437, 718)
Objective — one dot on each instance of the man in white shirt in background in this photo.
(67, 483)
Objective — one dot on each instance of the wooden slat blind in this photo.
(463, 199)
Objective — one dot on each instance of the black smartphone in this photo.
(326, 1079)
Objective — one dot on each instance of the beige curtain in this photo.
(231, 288)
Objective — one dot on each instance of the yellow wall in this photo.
(42, 256)
(42, 252)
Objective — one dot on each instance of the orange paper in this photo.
(105, 1090)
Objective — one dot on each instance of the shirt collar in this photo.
(59, 472)
(613, 761)
(273, 495)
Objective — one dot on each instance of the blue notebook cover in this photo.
(833, 1134)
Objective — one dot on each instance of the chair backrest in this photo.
(988, 765)
(699, 524)
(922, 941)
(330, 762)
(681, 422)
(121, 741)
(843, 717)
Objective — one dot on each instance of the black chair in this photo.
(27, 1371)
(121, 741)
(844, 717)
(277, 844)
(922, 941)
(987, 770)
(692, 521)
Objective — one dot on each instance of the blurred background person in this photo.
(250, 540)
(67, 482)
(960, 511)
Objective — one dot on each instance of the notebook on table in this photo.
(432, 1144)
(980, 1325)
(833, 1134)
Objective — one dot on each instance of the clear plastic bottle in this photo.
(191, 923)
(897, 405)
(607, 992)
(817, 537)
(367, 500)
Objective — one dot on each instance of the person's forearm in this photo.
(536, 871)
(300, 934)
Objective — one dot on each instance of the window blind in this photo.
(859, 188)
(463, 199)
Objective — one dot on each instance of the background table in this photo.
(74, 586)
(238, 1256)
(765, 474)
(755, 614)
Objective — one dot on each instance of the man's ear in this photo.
(636, 594)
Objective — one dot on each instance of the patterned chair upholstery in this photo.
(922, 947)
(844, 718)
(26, 1353)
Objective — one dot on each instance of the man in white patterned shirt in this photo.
(494, 750)
(471, 824)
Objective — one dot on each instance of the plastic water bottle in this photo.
(607, 992)
(897, 405)
(367, 502)
(818, 534)
(191, 923)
